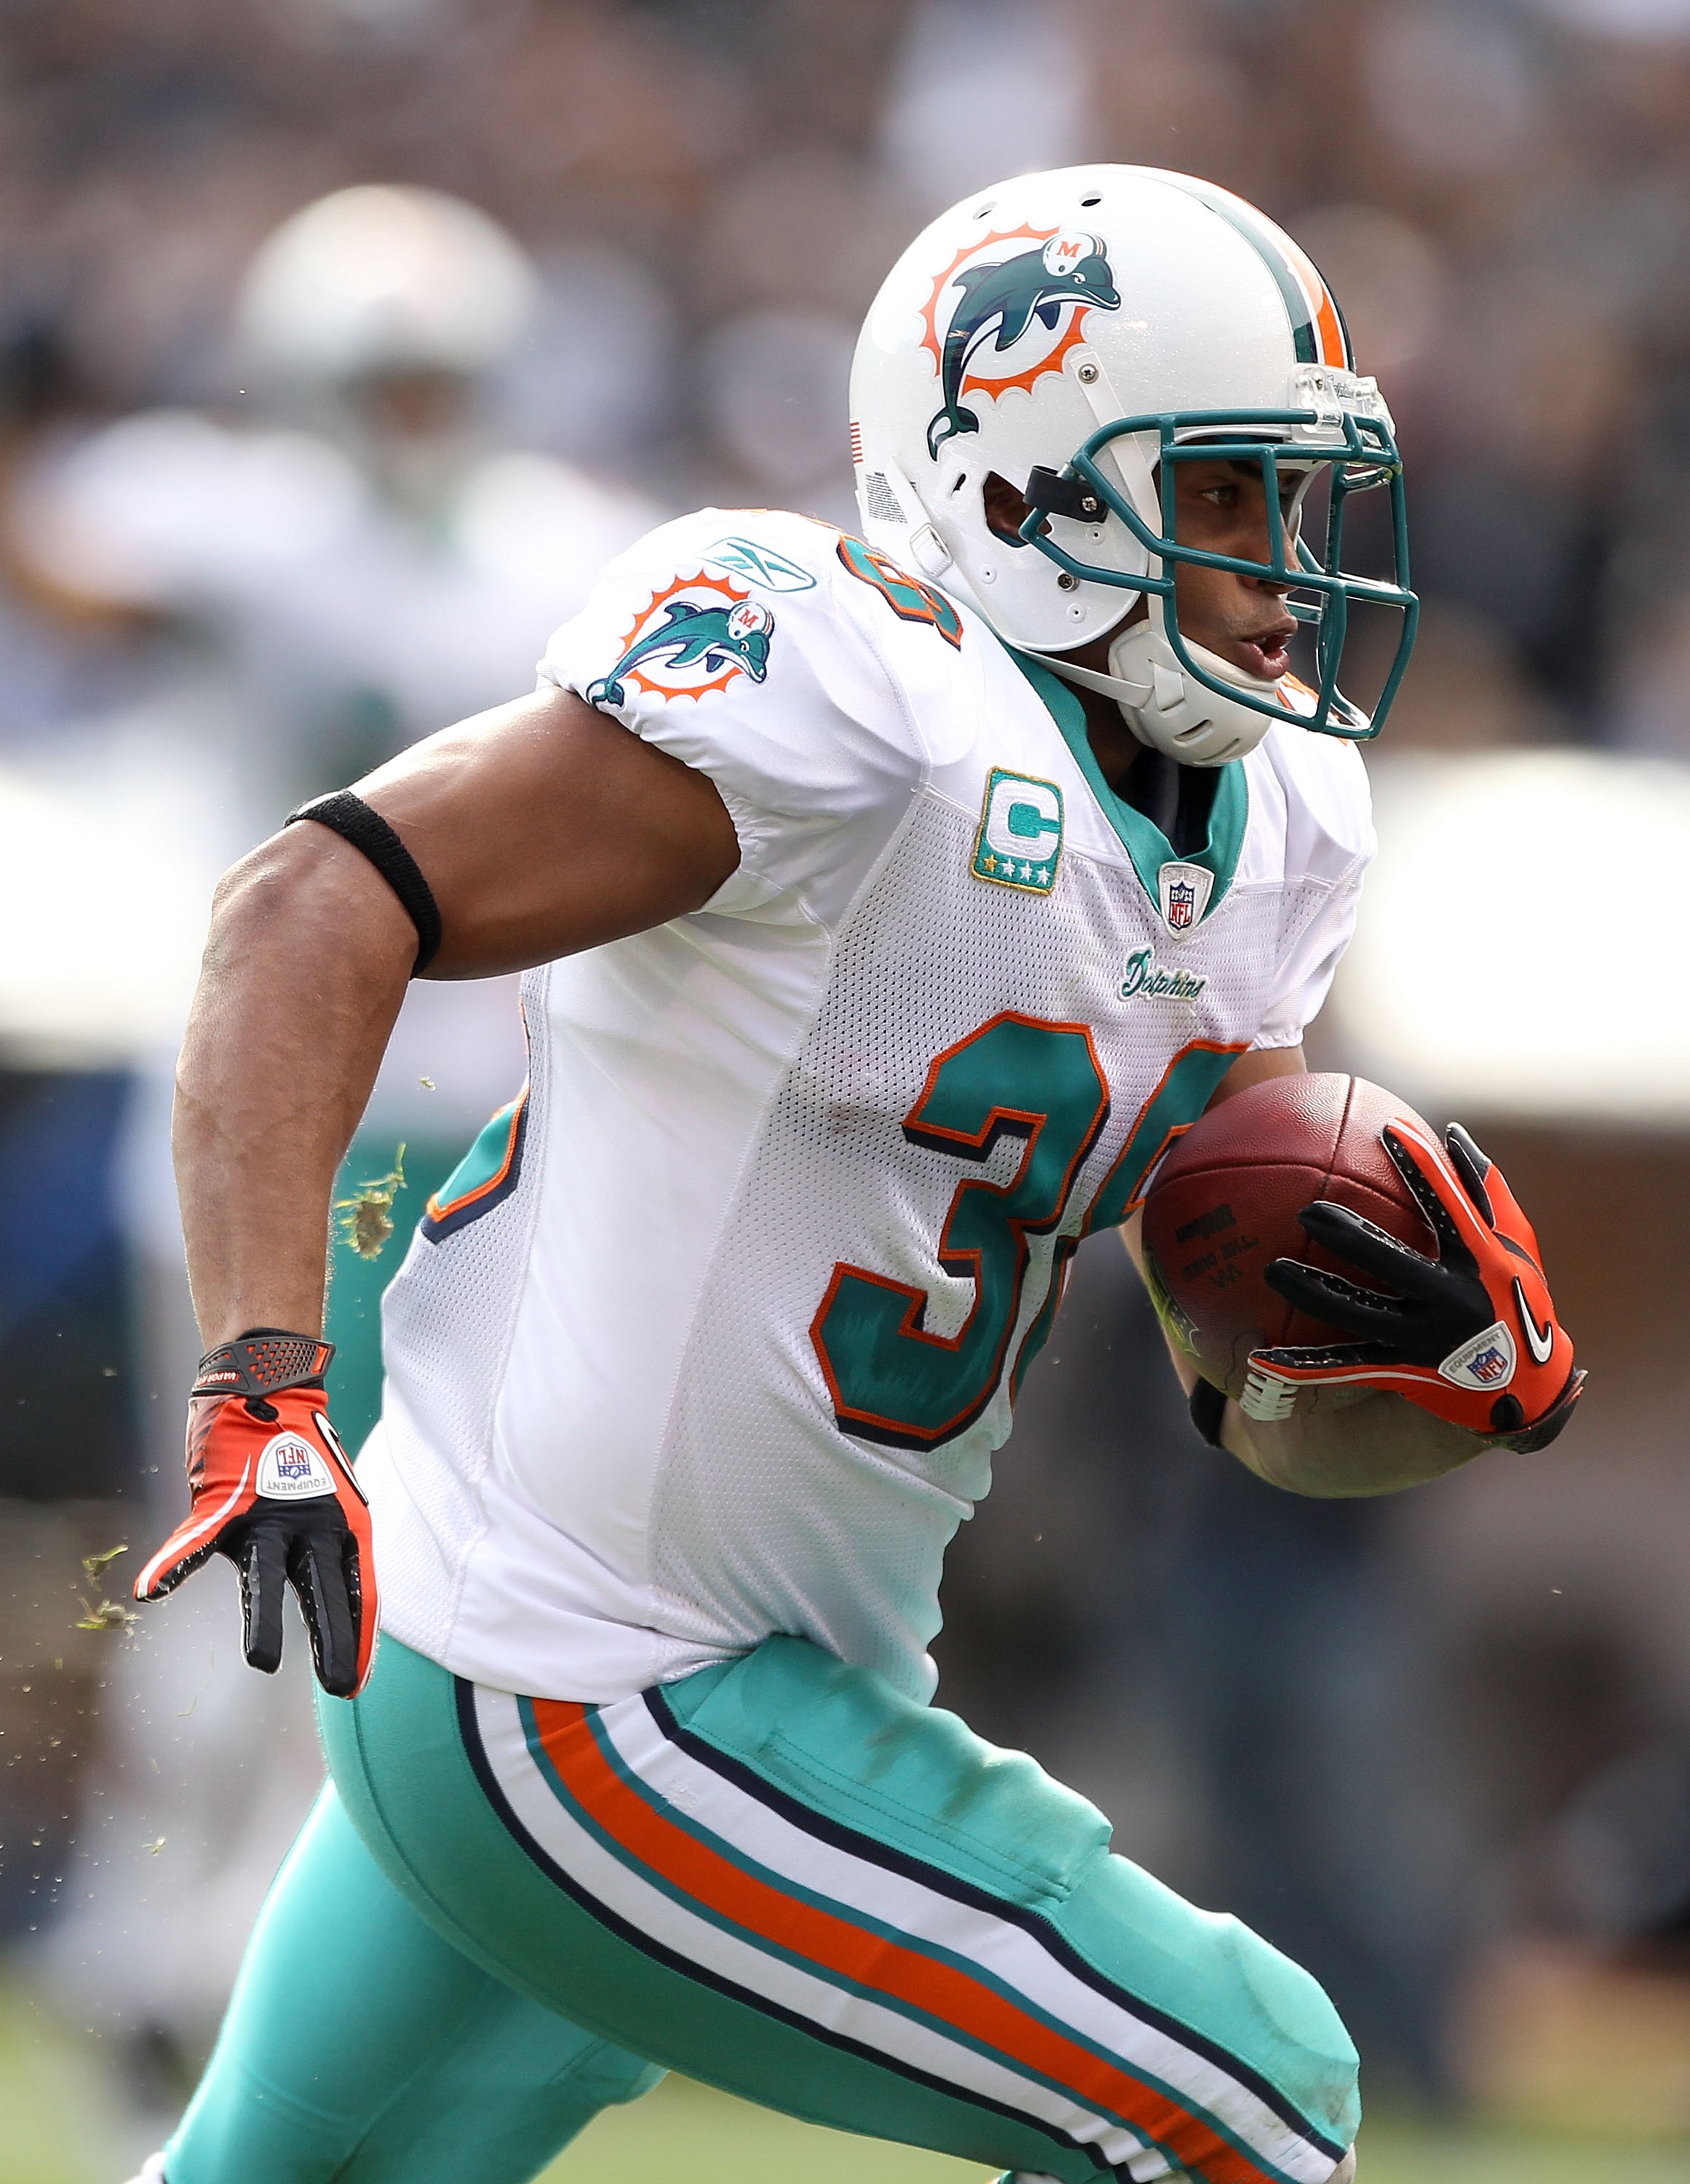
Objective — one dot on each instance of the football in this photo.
(1224, 1203)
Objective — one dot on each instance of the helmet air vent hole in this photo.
(991, 205)
(1091, 201)
(959, 481)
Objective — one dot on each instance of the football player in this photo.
(826, 858)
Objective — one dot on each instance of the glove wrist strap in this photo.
(262, 1361)
(1527, 1440)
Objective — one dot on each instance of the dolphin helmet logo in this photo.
(695, 636)
(989, 303)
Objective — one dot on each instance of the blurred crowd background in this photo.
(283, 488)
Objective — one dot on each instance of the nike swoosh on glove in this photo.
(1470, 1335)
(273, 1492)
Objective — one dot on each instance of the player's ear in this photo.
(1007, 508)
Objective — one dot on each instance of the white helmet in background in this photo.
(386, 279)
(1078, 333)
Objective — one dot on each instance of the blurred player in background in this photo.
(352, 550)
(830, 861)
(336, 566)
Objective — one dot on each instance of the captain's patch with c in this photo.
(1019, 841)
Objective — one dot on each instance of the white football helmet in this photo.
(384, 278)
(1079, 333)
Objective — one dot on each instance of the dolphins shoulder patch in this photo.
(696, 635)
(1000, 317)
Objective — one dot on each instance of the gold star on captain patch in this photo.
(989, 861)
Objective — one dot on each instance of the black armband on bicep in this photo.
(355, 822)
(1208, 1409)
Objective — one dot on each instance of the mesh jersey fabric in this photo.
(648, 1407)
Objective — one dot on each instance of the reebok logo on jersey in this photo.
(1019, 841)
(292, 1470)
(1147, 980)
(760, 565)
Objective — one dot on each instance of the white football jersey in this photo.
(715, 1330)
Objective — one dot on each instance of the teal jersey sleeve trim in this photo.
(1143, 840)
(486, 1176)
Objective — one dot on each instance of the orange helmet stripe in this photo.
(1332, 335)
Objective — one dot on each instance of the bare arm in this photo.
(1336, 1441)
(543, 827)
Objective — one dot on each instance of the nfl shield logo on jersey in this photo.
(1183, 891)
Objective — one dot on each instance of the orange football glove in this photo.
(273, 1492)
(1470, 1335)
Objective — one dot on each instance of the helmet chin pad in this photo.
(1165, 707)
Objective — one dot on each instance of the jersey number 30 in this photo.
(890, 1379)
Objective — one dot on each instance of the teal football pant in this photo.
(776, 1876)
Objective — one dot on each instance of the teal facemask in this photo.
(1367, 459)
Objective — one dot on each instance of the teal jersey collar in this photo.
(1145, 843)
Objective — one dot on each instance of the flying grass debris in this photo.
(366, 1218)
(109, 1615)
